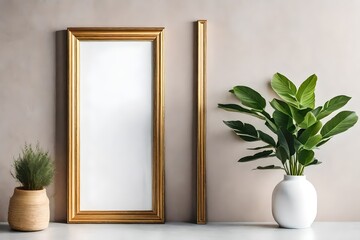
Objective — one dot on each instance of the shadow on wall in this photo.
(60, 195)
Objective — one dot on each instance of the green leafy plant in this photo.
(34, 168)
(295, 121)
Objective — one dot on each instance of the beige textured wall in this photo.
(248, 42)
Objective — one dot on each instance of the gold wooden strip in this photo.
(201, 123)
(160, 118)
(72, 74)
(156, 215)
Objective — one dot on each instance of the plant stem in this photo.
(293, 165)
(297, 168)
(302, 169)
(286, 168)
(297, 165)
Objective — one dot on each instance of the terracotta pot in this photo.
(29, 210)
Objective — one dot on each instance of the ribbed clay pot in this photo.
(29, 210)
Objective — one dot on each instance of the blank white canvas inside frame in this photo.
(116, 120)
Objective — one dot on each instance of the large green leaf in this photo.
(282, 143)
(285, 143)
(282, 154)
(316, 111)
(269, 167)
(245, 131)
(305, 157)
(309, 132)
(266, 138)
(283, 121)
(256, 156)
(338, 124)
(272, 126)
(284, 88)
(290, 140)
(323, 141)
(308, 121)
(332, 105)
(312, 142)
(249, 97)
(249, 133)
(299, 115)
(281, 106)
(315, 162)
(306, 93)
(261, 147)
(238, 108)
(269, 121)
(265, 114)
(297, 144)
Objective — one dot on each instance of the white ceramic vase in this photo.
(294, 202)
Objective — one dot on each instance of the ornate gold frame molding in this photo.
(75, 215)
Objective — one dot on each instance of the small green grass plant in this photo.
(33, 168)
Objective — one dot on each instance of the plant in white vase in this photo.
(297, 125)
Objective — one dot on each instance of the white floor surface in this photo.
(187, 231)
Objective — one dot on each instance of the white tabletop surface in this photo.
(187, 231)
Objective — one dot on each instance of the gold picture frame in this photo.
(201, 121)
(75, 212)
